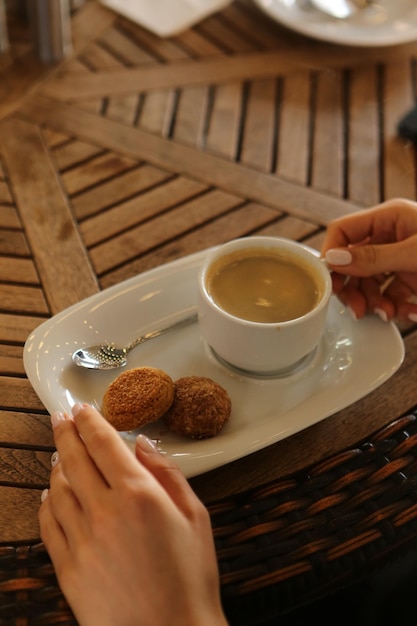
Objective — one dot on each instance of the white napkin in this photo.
(166, 17)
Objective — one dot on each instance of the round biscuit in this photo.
(137, 397)
(200, 409)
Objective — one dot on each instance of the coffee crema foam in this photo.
(263, 285)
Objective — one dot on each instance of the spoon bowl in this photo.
(106, 356)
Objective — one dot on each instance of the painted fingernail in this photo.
(412, 317)
(54, 458)
(352, 314)
(57, 418)
(146, 444)
(44, 495)
(381, 313)
(338, 257)
(77, 408)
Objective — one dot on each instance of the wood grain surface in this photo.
(136, 151)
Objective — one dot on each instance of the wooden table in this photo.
(137, 151)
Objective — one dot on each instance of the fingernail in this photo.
(338, 257)
(44, 495)
(79, 406)
(412, 317)
(352, 314)
(381, 313)
(57, 418)
(146, 444)
(54, 458)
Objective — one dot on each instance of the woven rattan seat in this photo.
(279, 546)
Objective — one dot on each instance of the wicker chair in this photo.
(280, 547)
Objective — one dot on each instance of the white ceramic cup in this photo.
(262, 347)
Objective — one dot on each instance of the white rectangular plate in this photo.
(352, 360)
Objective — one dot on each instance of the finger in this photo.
(402, 296)
(376, 302)
(65, 508)
(83, 476)
(397, 290)
(52, 533)
(387, 222)
(406, 312)
(105, 448)
(368, 260)
(352, 229)
(167, 474)
(410, 280)
(352, 298)
(338, 282)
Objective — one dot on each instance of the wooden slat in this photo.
(12, 242)
(190, 115)
(96, 105)
(123, 108)
(96, 57)
(291, 228)
(125, 49)
(244, 220)
(157, 111)
(118, 189)
(224, 34)
(5, 198)
(328, 135)
(364, 150)
(20, 299)
(156, 232)
(27, 430)
(16, 328)
(399, 162)
(53, 237)
(252, 66)
(293, 149)
(223, 130)
(11, 360)
(101, 167)
(74, 152)
(54, 139)
(196, 44)
(234, 178)
(163, 49)
(131, 213)
(22, 270)
(258, 141)
(89, 23)
(18, 392)
(31, 469)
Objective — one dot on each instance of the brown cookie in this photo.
(137, 397)
(200, 409)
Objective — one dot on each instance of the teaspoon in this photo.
(107, 356)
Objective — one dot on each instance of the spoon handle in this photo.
(185, 321)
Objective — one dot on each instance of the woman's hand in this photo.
(130, 542)
(373, 258)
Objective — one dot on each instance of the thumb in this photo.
(368, 260)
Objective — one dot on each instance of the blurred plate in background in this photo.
(388, 23)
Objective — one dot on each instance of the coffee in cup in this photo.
(263, 285)
(263, 303)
